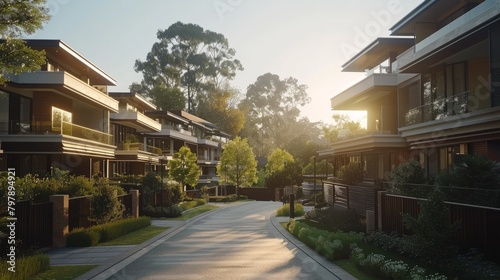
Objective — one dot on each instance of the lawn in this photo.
(190, 213)
(63, 272)
(136, 237)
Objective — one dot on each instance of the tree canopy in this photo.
(281, 169)
(187, 58)
(218, 107)
(342, 128)
(20, 17)
(271, 109)
(183, 168)
(237, 164)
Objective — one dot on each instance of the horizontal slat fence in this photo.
(479, 225)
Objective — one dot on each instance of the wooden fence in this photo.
(354, 197)
(479, 225)
(34, 224)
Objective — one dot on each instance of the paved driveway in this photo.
(238, 242)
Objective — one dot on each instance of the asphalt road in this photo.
(236, 242)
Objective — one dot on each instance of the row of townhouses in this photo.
(63, 116)
(431, 90)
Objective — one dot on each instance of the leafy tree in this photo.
(321, 167)
(237, 164)
(188, 58)
(342, 127)
(281, 169)
(305, 142)
(183, 167)
(271, 109)
(17, 18)
(216, 107)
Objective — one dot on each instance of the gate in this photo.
(34, 224)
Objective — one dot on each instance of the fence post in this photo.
(135, 203)
(60, 223)
(380, 194)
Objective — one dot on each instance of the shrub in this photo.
(351, 173)
(284, 210)
(333, 245)
(101, 233)
(337, 220)
(26, 267)
(432, 238)
(81, 237)
(119, 228)
(192, 203)
(106, 207)
(410, 172)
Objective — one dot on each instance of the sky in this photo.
(306, 39)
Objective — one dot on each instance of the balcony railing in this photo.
(439, 109)
(65, 128)
(136, 146)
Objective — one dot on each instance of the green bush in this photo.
(351, 173)
(106, 207)
(347, 220)
(333, 245)
(26, 267)
(284, 211)
(116, 229)
(82, 237)
(192, 203)
(377, 265)
(101, 233)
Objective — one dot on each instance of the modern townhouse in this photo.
(133, 155)
(58, 116)
(453, 106)
(179, 129)
(438, 94)
(381, 148)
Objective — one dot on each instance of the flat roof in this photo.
(60, 50)
(377, 52)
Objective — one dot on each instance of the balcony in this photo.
(47, 128)
(442, 108)
(43, 137)
(450, 39)
(450, 117)
(67, 84)
(136, 147)
(137, 120)
(369, 141)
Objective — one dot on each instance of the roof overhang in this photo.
(133, 99)
(377, 52)
(57, 49)
(428, 11)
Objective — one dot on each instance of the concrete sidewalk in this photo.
(97, 255)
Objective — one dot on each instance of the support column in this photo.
(60, 222)
(135, 203)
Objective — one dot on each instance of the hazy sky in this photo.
(305, 39)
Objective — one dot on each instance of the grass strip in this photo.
(136, 237)
(65, 272)
(193, 212)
